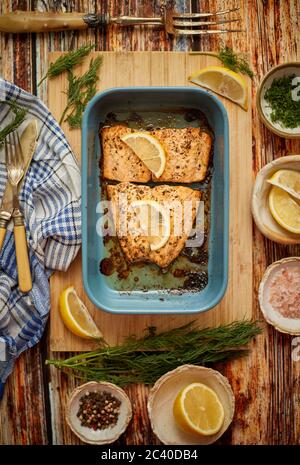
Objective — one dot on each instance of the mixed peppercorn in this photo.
(98, 410)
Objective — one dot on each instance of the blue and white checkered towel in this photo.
(50, 199)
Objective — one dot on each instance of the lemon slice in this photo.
(197, 409)
(223, 81)
(75, 315)
(148, 149)
(285, 209)
(288, 180)
(154, 220)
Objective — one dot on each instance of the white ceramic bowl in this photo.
(281, 323)
(263, 218)
(164, 393)
(105, 436)
(263, 107)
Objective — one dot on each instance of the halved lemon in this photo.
(223, 81)
(285, 209)
(148, 149)
(154, 220)
(197, 409)
(288, 180)
(75, 315)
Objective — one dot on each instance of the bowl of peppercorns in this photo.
(98, 412)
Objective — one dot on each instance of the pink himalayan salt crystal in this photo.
(285, 292)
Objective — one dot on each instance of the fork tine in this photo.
(201, 32)
(8, 148)
(20, 149)
(204, 15)
(16, 157)
(203, 23)
(6, 152)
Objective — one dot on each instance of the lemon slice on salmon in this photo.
(75, 315)
(223, 81)
(148, 149)
(154, 220)
(197, 409)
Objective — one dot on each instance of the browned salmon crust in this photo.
(188, 154)
(136, 248)
(119, 162)
(187, 151)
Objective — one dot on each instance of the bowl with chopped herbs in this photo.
(278, 100)
(98, 412)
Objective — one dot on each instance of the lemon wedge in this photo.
(75, 315)
(154, 220)
(223, 81)
(148, 149)
(288, 180)
(197, 409)
(285, 209)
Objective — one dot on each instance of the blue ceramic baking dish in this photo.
(96, 285)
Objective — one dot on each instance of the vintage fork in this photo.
(15, 166)
(175, 24)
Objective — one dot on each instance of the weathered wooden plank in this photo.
(22, 410)
(275, 40)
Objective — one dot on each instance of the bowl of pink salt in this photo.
(279, 295)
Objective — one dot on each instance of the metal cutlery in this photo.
(16, 166)
(175, 24)
(28, 141)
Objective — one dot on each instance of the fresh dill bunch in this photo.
(145, 359)
(20, 115)
(232, 60)
(80, 91)
(285, 109)
(67, 62)
(235, 61)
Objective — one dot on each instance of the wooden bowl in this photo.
(163, 395)
(106, 436)
(263, 218)
(263, 107)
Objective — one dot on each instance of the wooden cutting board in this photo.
(122, 69)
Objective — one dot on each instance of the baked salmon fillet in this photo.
(187, 155)
(119, 162)
(135, 246)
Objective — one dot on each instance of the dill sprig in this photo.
(67, 62)
(20, 115)
(80, 91)
(232, 60)
(144, 360)
(285, 109)
(235, 61)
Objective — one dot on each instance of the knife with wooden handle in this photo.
(37, 21)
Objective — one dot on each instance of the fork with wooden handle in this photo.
(15, 166)
(175, 24)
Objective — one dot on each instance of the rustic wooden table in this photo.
(266, 383)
